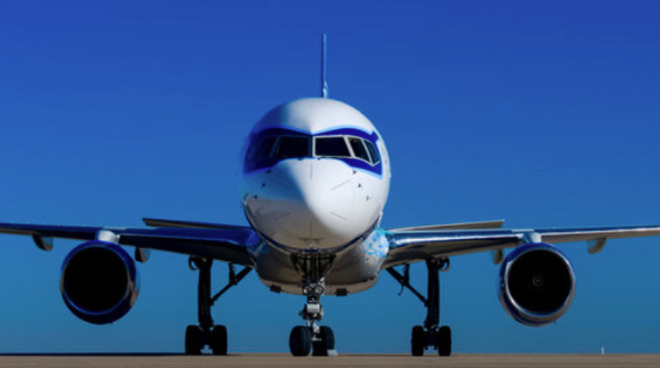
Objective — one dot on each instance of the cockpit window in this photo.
(375, 158)
(331, 147)
(292, 147)
(359, 150)
(262, 149)
(271, 147)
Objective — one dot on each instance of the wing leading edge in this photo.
(414, 246)
(225, 244)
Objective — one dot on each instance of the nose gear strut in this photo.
(320, 340)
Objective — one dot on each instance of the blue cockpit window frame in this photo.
(255, 159)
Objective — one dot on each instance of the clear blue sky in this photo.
(544, 114)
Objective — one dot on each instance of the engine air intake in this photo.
(537, 284)
(99, 282)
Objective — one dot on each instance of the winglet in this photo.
(324, 81)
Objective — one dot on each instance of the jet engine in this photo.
(99, 282)
(537, 284)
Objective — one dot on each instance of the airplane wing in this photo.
(229, 244)
(413, 246)
(457, 226)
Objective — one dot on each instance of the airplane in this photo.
(314, 183)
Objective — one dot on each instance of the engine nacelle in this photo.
(537, 284)
(99, 282)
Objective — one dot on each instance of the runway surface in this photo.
(349, 360)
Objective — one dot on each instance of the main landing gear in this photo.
(320, 340)
(207, 334)
(429, 335)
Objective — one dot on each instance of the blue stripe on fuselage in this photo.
(377, 169)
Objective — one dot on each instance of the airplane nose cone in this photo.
(322, 198)
(308, 204)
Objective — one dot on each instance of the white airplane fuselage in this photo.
(316, 176)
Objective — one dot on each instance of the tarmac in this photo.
(347, 360)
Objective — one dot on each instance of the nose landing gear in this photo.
(320, 340)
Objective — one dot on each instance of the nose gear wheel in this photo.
(319, 340)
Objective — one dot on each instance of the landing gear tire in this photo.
(193, 340)
(443, 341)
(218, 340)
(428, 335)
(300, 341)
(205, 333)
(418, 341)
(326, 342)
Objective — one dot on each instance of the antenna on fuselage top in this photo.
(324, 81)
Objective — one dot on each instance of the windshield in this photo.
(373, 152)
(261, 150)
(359, 149)
(269, 149)
(331, 147)
(292, 147)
